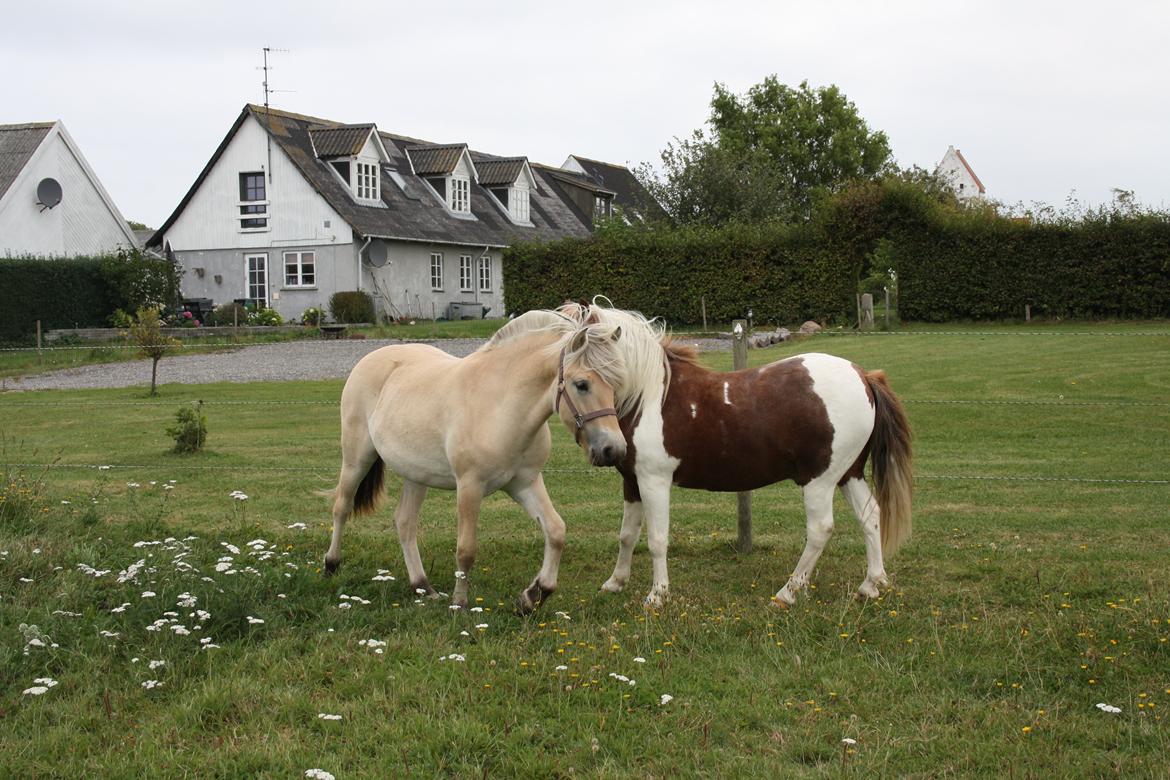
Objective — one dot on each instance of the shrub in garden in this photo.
(350, 307)
(313, 316)
(264, 316)
(189, 429)
(229, 314)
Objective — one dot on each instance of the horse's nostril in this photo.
(607, 453)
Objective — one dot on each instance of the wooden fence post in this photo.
(743, 499)
(703, 300)
(40, 355)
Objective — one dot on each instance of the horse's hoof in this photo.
(654, 600)
(612, 586)
(331, 567)
(867, 590)
(780, 603)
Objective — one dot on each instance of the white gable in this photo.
(85, 222)
(297, 212)
(571, 164)
(954, 169)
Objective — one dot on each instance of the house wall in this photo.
(221, 274)
(407, 274)
(952, 169)
(81, 224)
(297, 214)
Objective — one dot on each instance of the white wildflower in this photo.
(665, 699)
(150, 684)
(318, 774)
(36, 690)
(1108, 708)
(157, 664)
(327, 716)
(148, 594)
(848, 741)
(562, 668)
(297, 526)
(639, 660)
(254, 620)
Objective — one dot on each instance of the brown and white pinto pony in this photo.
(815, 419)
(476, 425)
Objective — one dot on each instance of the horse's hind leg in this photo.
(358, 461)
(406, 521)
(818, 509)
(534, 499)
(865, 506)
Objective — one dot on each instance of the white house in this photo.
(292, 208)
(956, 170)
(51, 201)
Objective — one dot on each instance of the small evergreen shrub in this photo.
(190, 429)
(350, 307)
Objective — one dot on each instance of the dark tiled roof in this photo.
(17, 144)
(435, 159)
(576, 179)
(628, 191)
(499, 172)
(409, 212)
(342, 141)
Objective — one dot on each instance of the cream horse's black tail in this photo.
(369, 491)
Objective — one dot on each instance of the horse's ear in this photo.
(579, 339)
(617, 333)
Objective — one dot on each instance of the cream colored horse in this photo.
(476, 425)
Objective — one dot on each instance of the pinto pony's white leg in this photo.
(656, 511)
(865, 506)
(534, 499)
(627, 539)
(406, 521)
(818, 509)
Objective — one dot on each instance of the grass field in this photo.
(1024, 599)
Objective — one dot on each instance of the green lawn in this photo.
(1024, 599)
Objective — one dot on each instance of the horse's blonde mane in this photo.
(632, 365)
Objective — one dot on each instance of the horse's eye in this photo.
(582, 385)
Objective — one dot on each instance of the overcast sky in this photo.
(1042, 98)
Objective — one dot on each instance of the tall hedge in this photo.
(61, 293)
(976, 267)
(79, 291)
(783, 273)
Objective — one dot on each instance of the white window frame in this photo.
(601, 207)
(437, 271)
(485, 273)
(459, 194)
(300, 284)
(518, 205)
(466, 277)
(260, 215)
(248, 257)
(367, 184)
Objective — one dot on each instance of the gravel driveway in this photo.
(257, 363)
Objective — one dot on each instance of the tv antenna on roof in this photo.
(266, 67)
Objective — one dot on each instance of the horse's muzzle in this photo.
(606, 453)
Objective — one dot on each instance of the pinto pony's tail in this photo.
(892, 462)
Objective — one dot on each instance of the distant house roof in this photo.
(501, 171)
(17, 144)
(970, 170)
(409, 209)
(343, 141)
(629, 194)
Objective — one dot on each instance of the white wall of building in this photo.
(298, 215)
(85, 222)
(953, 170)
(406, 280)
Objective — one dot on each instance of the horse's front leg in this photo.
(627, 539)
(656, 511)
(468, 497)
(534, 499)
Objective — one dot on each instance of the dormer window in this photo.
(601, 207)
(459, 195)
(518, 205)
(365, 181)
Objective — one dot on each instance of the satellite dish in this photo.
(48, 193)
(377, 254)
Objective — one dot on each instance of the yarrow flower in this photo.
(665, 699)
(238, 495)
(848, 741)
(150, 684)
(327, 716)
(318, 774)
(1108, 708)
(254, 621)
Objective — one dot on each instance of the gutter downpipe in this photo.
(359, 261)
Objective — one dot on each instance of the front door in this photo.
(257, 279)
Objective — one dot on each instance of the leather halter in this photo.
(578, 418)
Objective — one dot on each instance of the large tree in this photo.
(768, 154)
